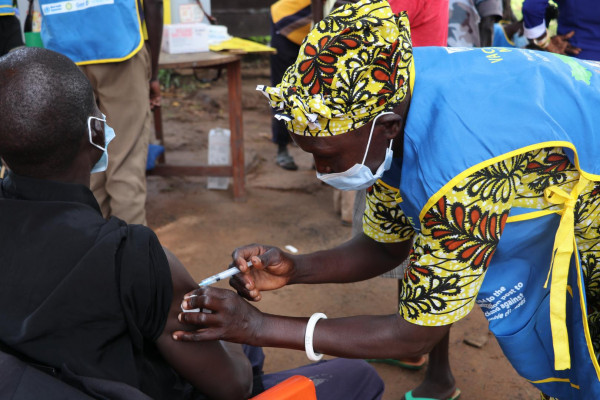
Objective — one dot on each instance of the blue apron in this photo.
(6, 7)
(92, 31)
(499, 39)
(475, 107)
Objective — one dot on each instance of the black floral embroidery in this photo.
(497, 182)
(385, 215)
(591, 278)
(551, 170)
(428, 299)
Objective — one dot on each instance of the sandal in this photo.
(409, 396)
(415, 366)
(286, 161)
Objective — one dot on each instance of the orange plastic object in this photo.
(296, 387)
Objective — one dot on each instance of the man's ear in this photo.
(392, 125)
(97, 129)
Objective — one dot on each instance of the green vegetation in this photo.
(168, 77)
(260, 39)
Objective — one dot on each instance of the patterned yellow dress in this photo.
(460, 233)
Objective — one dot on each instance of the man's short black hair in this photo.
(45, 101)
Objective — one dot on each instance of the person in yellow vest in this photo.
(116, 44)
(10, 29)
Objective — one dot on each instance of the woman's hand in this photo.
(224, 316)
(271, 269)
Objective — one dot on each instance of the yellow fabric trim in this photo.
(110, 60)
(298, 35)
(7, 13)
(128, 56)
(565, 380)
(487, 163)
(285, 8)
(584, 320)
(382, 183)
(167, 12)
(144, 29)
(242, 46)
(531, 215)
(411, 76)
(397, 197)
(564, 246)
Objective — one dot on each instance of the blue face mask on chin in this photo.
(109, 135)
(359, 176)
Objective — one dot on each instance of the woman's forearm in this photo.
(383, 336)
(358, 259)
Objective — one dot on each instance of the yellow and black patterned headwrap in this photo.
(352, 66)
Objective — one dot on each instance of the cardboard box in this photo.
(185, 38)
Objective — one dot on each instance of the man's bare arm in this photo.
(219, 370)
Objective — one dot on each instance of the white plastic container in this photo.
(219, 153)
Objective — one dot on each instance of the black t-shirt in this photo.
(79, 292)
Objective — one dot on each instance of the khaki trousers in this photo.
(122, 93)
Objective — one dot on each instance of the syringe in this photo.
(213, 279)
(221, 275)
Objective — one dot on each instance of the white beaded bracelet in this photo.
(308, 336)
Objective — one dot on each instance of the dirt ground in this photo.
(202, 227)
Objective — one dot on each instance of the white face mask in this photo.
(359, 176)
(109, 134)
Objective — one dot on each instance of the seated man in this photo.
(96, 298)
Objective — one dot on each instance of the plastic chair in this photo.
(296, 387)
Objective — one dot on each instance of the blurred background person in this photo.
(10, 28)
(471, 22)
(578, 31)
(122, 65)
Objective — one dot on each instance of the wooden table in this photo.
(231, 62)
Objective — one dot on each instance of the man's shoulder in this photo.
(136, 235)
(138, 229)
(139, 242)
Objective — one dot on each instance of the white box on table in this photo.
(185, 38)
